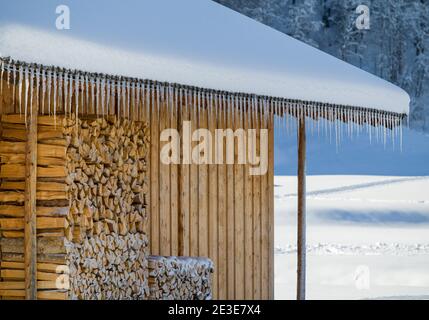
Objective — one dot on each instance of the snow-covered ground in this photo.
(367, 237)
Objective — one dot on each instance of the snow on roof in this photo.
(192, 42)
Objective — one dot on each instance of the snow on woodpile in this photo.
(192, 42)
(180, 278)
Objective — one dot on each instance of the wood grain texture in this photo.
(30, 213)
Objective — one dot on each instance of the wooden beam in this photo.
(301, 211)
(30, 235)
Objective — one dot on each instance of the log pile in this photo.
(91, 208)
(107, 187)
(52, 209)
(180, 278)
(109, 267)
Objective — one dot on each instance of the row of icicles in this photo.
(62, 91)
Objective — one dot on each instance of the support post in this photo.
(30, 236)
(301, 220)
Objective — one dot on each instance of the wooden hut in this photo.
(86, 186)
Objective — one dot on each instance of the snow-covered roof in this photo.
(191, 42)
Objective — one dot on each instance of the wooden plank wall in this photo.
(215, 211)
(219, 211)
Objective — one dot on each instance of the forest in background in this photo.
(395, 48)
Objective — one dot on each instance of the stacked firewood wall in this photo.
(107, 184)
(180, 278)
(91, 208)
(52, 208)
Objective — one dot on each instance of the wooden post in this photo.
(300, 295)
(30, 236)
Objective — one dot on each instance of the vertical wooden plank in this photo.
(30, 236)
(239, 217)
(264, 228)
(301, 252)
(248, 217)
(271, 208)
(184, 185)
(174, 180)
(154, 173)
(203, 248)
(257, 279)
(194, 187)
(213, 204)
(164, 181)
(146, 118)
(230, 221)
(222, 214)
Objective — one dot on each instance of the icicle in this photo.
(138, 88)
(116, 90)
(216, 107)
(231, 109)
(187, 99)
(145, 110)
(222, 107)
(58, 88)
(113, 97)
(124, 98)
(170, 99)
(14, 86)
(400, 134)
(238, 110)
(128, 99)
(70, 103)
(102, 96)
(199, 107)
(97, 95)
(86, 93)
(49, 89)
(8, 76)
(330, 112)
(385, 130)
(76, 96)
(27, 83)
(43, 78)
(234, 109)
(65, 82)
(208, 106)
(160, 91)
(92, 94)
(20, 89)
(175, 98)
(253, 109)
(135, 106)
(286, 116)
(148, 106)
(1, 76)
(31, 92)
(109, 96)
(82, 87)
(37, 86)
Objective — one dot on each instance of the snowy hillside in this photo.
(367, 237)
(395, 48)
